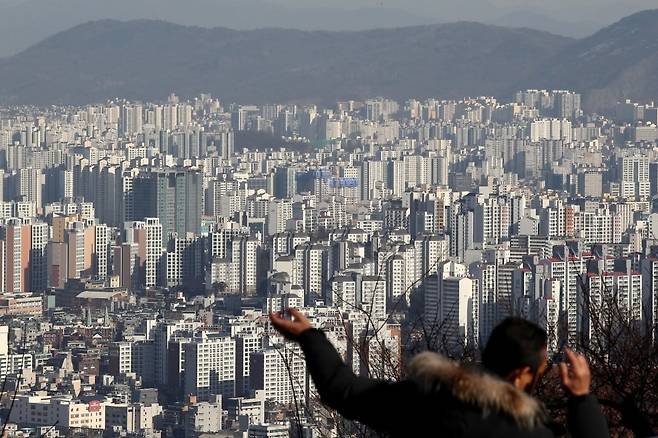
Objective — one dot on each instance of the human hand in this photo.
(576, 377)
(290, 328)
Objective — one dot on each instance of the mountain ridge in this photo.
(602, 65)
(21, 27)
(148, 59)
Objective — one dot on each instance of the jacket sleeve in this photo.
(585, 418)
(375, 403)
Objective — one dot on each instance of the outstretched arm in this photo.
(585, 418)
(374, 403)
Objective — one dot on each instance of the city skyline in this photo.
(147, 242)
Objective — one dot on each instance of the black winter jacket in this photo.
(440, 399)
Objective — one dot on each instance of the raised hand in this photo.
(576, 377)
(290, 328)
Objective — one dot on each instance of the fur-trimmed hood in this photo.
(476, 388)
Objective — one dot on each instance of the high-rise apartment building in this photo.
(280, 371)
(285, 182)
(39, 235)
(15, 242)
(635, 181)
(210, 367)
(174, 196)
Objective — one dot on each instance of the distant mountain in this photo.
(150, 59)
(24, 23)
(617, 62)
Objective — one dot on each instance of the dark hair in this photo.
(514, 343)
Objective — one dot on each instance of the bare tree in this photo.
(623, 358)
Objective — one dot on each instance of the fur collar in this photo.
(473, 387)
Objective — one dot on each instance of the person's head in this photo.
(516, 351)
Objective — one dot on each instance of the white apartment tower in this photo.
(153, 251)
(40, 235)
(210, 367)
(635, 177)
(101, 249)
(280, 371)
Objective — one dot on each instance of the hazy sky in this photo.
(573, 10)
(602, 11)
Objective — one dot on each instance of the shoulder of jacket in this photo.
(473, 387)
